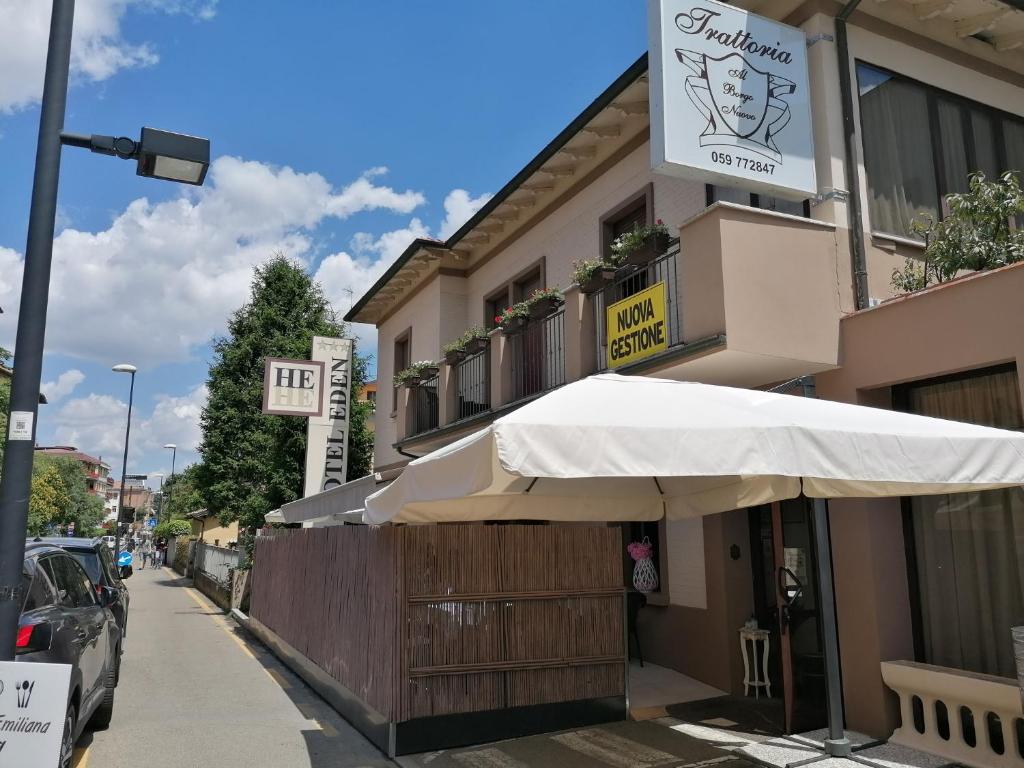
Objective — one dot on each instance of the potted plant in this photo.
(543, 302)
(592, 275)
(514, 318)
(455, 351)
(415, 373)
(475, 339)
(642, 244)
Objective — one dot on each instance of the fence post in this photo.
(1018, 653)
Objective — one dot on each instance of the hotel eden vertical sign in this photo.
(321, 390)
(730, 102)
(327, 433)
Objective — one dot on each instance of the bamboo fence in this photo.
(437, 620)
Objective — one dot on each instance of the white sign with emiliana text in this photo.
(327, 433)
(33, 702)
(730, 102)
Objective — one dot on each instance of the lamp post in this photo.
(159, 155)
(170, 481)
(123, 368)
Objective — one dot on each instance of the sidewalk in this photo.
(196, 693)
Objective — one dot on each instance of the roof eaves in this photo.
(622, 82)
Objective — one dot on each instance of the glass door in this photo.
(786, 604)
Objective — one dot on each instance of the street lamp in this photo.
(123, 368)
(170, 481)
(159, 155)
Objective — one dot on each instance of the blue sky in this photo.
(306, 104)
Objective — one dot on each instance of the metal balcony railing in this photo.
(473, 385)
(633, 280)
(538, 356)
(425, 395)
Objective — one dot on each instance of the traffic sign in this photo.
(151, 522)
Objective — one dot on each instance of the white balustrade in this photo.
(967, 698)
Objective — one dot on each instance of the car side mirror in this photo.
(125, 571)
(108, 596)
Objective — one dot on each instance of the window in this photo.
(755, 200)
(517, 289)
(966, 563)
(73, 586)
(39, 592)
(403, 350)
(921, 144)
(633, 212)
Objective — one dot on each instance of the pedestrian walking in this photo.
(147, 553)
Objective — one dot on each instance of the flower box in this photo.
(541, 308)
(456, 356)
(599, 280)
(652, 248)
(513, 325)
(475, 346)
(429, 372)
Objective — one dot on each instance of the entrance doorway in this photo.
(785, 567)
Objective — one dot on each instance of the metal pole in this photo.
(170, 486)
(35, 287)
(836, 744)
(124, 469)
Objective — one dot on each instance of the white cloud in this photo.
(165, 276)
(98, 52)
(345, 278)
(458, 208)
(95, 424)
(63, 386)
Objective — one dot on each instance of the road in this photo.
(195, 691)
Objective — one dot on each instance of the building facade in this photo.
(907, 100)
(97, 471)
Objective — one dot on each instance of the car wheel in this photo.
(67, 742)
(105, 711)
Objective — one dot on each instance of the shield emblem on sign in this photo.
(739, 91)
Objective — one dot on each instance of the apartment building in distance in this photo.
(96, 471)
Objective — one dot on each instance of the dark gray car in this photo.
(98, 560)
(65, 621)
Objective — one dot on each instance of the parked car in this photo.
(98, 562)
(65, 621)
(108, 540)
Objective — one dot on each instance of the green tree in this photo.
(49, 497)
(84, 509)
(5, 402)
(976, 234)
(253, 463)
(181, 494)
(360, 438)
(171, 529)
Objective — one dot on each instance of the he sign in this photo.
(327, 432)
(730, 100)
(293, 387)
(636, 326)
(33, 701)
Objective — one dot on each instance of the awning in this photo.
(344, 498)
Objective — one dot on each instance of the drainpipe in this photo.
(856, 218)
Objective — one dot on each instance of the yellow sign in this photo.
(637, 326)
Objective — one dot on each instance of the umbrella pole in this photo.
(836, 745)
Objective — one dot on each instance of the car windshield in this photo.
(90, 561)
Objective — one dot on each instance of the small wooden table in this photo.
(754, 636)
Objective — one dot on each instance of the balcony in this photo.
(538, 356)
(751, 297)
(744, 297)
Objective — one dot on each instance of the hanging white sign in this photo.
(327, 432)
(33, 702)
(730, 102)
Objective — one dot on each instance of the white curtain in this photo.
(970, 547)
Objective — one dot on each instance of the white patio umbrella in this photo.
(614, 448)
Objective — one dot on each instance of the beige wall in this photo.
(969, 324)
(211, 531)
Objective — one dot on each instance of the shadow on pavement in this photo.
(330, 740)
